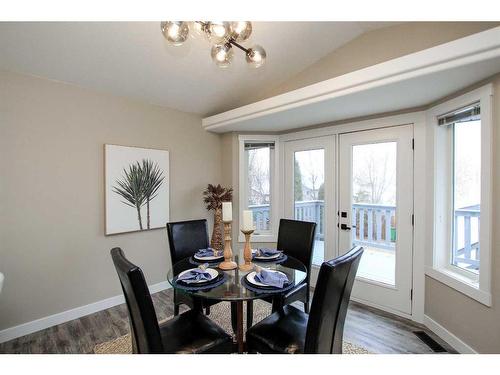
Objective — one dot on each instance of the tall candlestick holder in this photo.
(247, 252)
(229, 263)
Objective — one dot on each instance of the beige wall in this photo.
(375, 47)
(53, 251)
(230, 177)
(476, 324)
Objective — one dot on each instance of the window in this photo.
(466, 192)
(258, 162)
(462, 194)
(258, 179)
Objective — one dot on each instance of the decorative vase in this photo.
(217, 242)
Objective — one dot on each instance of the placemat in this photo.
(222, 279)
(195, 262)
(275, 261)
(256, 289)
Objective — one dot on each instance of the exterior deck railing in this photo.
(374, 225)
(304, 210)
(466, 249)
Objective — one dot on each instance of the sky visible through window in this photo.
(467, 142)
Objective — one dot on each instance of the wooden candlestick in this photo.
(228, 263)
(247, 252)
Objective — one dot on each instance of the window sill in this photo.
(460, 283)
(258, 238)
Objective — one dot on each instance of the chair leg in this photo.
(207, 310)
(249, 313)
(308, 297)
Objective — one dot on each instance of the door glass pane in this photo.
(466, 195)
(374, 209)
(309, 195)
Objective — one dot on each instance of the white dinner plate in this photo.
(213, 274)
(251, 279)
(209, 258)
(275, 256)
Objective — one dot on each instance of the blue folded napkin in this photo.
(265, 252)
(196, 274)
(271, 278)
(208, 252)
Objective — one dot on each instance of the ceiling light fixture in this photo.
(223, 34)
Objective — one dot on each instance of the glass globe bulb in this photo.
(176, 32)
(219, 31)
(240, 30)
(222, 54)
(197, 28)
(256, 56)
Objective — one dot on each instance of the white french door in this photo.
(309, 191)
(375, 211)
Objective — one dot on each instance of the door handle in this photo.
(344, 227)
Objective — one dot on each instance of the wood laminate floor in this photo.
(377, 331)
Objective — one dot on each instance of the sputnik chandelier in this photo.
(223, 34)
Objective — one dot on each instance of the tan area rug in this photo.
(220, 314)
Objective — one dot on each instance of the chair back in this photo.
(144, 327)
(325, 327)
(186, 238)
(296, 238)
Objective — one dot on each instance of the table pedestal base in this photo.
(237, 322)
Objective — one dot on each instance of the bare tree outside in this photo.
(310, 163)
(374, 169)
(259, 184)
(309, 178)
(258, 176)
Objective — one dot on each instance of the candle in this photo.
(247, 220)
(227, 211)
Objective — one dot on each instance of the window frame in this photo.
(274, 201)
(439, 265)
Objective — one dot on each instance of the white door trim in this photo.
(397, 296)
(420, 192)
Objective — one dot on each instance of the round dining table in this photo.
(235, 289)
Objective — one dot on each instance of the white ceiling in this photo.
(410, 81)
(132, 59)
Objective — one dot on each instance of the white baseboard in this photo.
(447, 336)
(65, 316)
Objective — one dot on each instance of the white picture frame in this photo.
(137, 187)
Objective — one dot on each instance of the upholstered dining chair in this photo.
(190, 332)
(289, 330)
(295, 238)
(185, 238)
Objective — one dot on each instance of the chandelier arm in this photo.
(234, 43)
